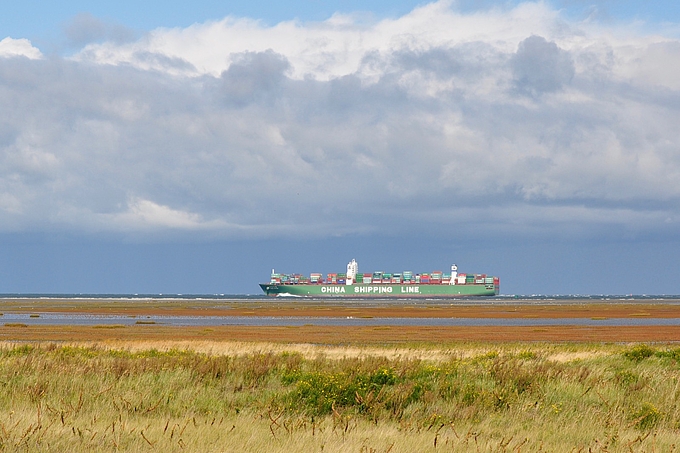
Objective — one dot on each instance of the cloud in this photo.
(85, 28)
(540, 66)
(254, 75)
(145, 214)
(499, 122)
(18, 47)
(332, 48)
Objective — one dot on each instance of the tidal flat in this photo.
(339, 322)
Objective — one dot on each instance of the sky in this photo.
(167, 147)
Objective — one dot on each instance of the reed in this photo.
(466, 397)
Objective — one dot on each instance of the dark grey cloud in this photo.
(540, 66)
(253, 76)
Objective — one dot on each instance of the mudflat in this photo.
(574, 309)
(336, 335)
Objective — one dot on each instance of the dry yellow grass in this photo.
(207, 396)
(427, 352)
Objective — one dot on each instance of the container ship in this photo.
(380, 284)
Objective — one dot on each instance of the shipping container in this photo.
(482, 282)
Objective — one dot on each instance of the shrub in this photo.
(646, 417)
(670, 354)
(639, 353)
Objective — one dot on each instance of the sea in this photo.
(511, 298)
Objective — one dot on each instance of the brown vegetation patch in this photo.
(363, 309)
(344, 335)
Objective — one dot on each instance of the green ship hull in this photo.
(380, 291)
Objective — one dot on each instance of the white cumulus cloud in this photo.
(503, 121)
(142, 213)
(18, 47)
(331, 48)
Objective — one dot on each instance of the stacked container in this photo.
(384, 278)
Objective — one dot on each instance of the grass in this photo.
(461, 397)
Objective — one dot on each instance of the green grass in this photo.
(507, 398)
